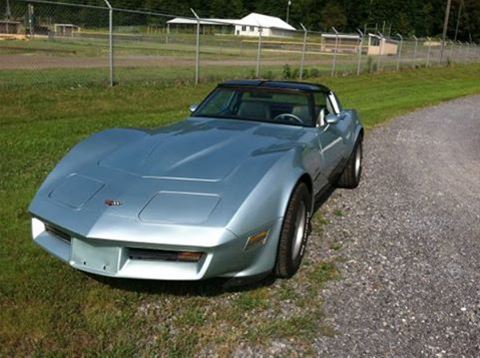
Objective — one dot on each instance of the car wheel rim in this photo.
(300, 224)
(358, 161)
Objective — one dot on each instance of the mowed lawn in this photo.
(45, 306)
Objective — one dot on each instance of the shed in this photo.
(66, 29)
(9, 27)
(378, 45)
(346, 43)
(247, 26)
(206, 25)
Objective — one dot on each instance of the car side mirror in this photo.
(193, 108)
(331, 119)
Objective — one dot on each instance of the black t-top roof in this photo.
(300, 86)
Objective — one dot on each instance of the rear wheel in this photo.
(293, 237)
(350, 178)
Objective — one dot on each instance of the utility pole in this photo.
(197, 48)
(458, 20)
(288, 9)
(7, 11)
(110, 43)
(445, 25)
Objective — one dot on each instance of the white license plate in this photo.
(95, 257)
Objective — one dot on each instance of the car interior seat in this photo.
(255, 110)
(303, 112)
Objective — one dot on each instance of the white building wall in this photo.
(252, 31)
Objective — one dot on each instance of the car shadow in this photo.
(206, 288)
(322, 198)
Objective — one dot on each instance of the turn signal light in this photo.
(189, 256)
(257, 239)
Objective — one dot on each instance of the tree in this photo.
(333, 15)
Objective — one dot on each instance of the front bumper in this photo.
(114, 259)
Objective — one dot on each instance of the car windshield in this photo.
(258, 104)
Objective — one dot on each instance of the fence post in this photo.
(197, 49)
(360, 48)
(415, 51)
(110, 43)
(334, 63)
(259, 52)
(399, 56)
(30, 20)
(450, 54)
(463, 52)
(380, 48)
(458, 52)
(428, 52)
(304, 47)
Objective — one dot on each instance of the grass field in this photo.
(46, 307)
(84, 60)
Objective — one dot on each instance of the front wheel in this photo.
(350, 178)
(293, 237)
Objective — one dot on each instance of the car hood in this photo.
(201, 149)
(194, 173)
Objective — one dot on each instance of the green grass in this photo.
(47, 307)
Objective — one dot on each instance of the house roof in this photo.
(66, 25)
(252, 19)
(265, 21)
(10, 22)
(342, 36)
(189, 21)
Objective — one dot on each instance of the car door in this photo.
(329, 136)
(345, 125)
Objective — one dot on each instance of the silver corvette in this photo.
(227, 192)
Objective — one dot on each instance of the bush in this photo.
(287, 72)
(269, 75)
(296, 73)
(314, 72)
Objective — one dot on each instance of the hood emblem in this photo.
(111, 202)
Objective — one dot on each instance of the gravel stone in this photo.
(410, 237)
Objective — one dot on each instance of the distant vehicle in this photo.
(227, 192)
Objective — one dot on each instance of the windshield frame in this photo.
(308, 94)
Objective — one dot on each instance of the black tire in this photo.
(350, 178)
(290, 247)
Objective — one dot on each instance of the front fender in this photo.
(265, 208)
(91, 150)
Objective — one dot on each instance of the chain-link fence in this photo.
(71, 44)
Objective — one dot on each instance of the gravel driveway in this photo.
(410, 237)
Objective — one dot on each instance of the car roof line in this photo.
(289, 85)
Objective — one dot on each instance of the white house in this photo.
(247, 26)
(271, 26)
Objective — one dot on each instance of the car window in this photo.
(260, 104)
(219, 103)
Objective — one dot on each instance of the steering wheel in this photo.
(288, 117)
